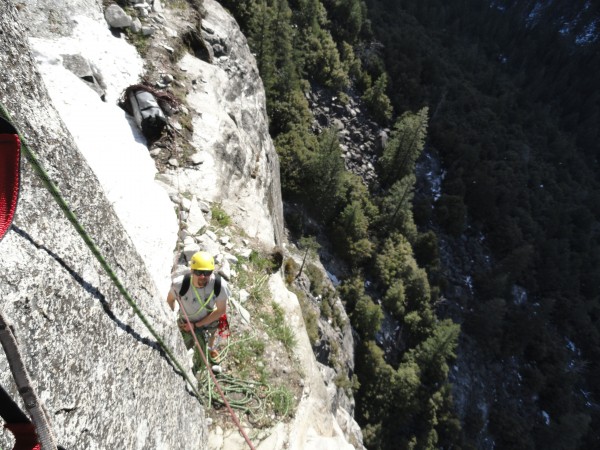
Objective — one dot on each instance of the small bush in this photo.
(342, 381)
(259, 291)
(310, 317)
(245, 353)
(316, 279)
(326, 310)
(290, 270)
(282, 400)
(277, 327)
(219, 216)
(139, 41)
(263, 263)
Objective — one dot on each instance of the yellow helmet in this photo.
(202, 261)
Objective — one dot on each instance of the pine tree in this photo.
(433, 354)
(396, 208)
(404, 146)
(325, 176)
(352, 234)
(377, 101)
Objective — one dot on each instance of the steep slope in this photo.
(514, 94)
(92, 361)
(114, 393)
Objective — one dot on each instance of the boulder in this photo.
(116, 17)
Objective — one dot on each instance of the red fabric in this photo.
(223, 329)
(10, 151)
(25, 436)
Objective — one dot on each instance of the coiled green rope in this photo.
(250, 397)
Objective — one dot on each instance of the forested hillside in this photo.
(505, 92)
(514, 90)
(305, 45)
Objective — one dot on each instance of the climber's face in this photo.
(201, 277)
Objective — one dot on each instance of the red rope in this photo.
(212, 375)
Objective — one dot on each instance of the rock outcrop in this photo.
(239, 168)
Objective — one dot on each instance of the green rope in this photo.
(241, 395)
(39, 170)
(250, 397)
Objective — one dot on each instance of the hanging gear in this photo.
(202, 261)
(223, 328)
(10, 161)
(28, 437)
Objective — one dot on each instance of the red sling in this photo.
(10, 152)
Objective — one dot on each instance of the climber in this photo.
(203, 296)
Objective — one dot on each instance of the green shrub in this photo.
(378, 102)
(342, 381)
(278, 328)
(290, 270)
(139, 41)
(245, 353)
(316, 279)
(261, 262)
(326, 310)
(219, 216)
(310, 317)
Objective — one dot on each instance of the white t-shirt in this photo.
(199, 302)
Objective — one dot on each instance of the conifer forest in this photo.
(505, 93)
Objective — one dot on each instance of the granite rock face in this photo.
(240, 168)
(94, 364)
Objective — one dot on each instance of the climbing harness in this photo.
(203, 304)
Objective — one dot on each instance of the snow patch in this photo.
(589, 34)
(546, 417)
(534, 15)
(519, 295)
